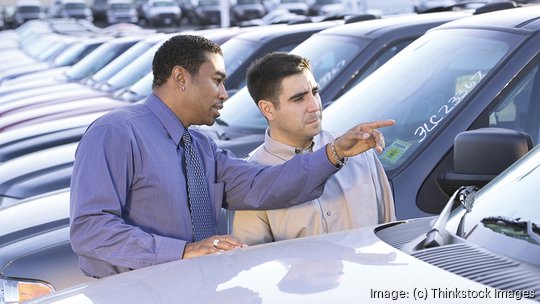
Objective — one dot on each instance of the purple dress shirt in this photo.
(128, 190)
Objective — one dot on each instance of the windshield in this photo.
(75, 6)
(121, 6)
(512, 195)
(121, 61)
(29, 9)
(208, 2)
(134, 71)
(328, 56)
(138, 90)
(96, 60)
(73, 54)
(420, 88)
(163, 3)
(236, 52)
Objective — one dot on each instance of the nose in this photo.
(223, 95)
(314, 103)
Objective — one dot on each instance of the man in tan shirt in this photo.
(358, 195)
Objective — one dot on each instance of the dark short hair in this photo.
(187, 51)
(265, 74)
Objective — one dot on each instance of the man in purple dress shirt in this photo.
(129, 203)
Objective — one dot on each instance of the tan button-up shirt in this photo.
(356, 196)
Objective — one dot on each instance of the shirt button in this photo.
(328, 213)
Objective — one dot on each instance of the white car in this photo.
(162, 12)
(482, 253)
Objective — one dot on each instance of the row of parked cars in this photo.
(462, 87)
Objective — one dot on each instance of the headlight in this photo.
(20, 290)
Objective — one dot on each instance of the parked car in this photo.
(244, 10)
(489, 254)
(91, 70)
(339, 55)
(241, 50)
(326, 7)
(27, 10)
(207, 12)
(76, 9)
(162, 12)
(119, 11)
(72, 54)
(299, 7)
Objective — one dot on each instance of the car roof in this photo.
(377, 27)
(271, 32)
(515, 18)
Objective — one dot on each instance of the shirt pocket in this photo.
(361, 201)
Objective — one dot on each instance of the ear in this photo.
(178, 75)
(267, 108)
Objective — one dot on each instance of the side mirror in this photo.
(480, 155)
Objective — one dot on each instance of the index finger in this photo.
(379, 124)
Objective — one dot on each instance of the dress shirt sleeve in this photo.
(102, 175)
(251, 227)
(251, 186)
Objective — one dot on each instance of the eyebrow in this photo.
(301, 94)
(221, 74)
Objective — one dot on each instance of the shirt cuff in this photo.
(169, 249)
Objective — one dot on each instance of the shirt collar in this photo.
(285, 151)
(168, 118)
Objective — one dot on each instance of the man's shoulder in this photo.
(120, 118)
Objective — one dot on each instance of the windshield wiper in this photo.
(516, 228)
(437, 234)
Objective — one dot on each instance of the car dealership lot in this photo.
(469, 69)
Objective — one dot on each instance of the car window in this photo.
(422, 88)
(519, 109)
(328, 57)
(382, 58)
(236, 52)
(327, 60)
(96, 60)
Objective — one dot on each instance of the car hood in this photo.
(345, 267)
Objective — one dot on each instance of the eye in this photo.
(315, 91)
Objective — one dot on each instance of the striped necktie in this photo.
(198, 195)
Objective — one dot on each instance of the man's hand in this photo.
(210, 245)
(360, 139)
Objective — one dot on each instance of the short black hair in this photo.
(187, 51)
(265, 74)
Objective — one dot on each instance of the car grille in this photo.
(172, 16)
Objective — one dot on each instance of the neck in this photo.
(303, 143)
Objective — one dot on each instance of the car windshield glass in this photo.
(134, 71)
(236, 51)
(248, 2)
(208, 2)
(328, 56)
(75, 6)
(120, 6)
(163, 3)
(121, 61)
(138, 90)
(73, 54)
(95, 61)
(327, 1)
(513, 197)
(420, 88)
(29, 9)
(52, 51)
